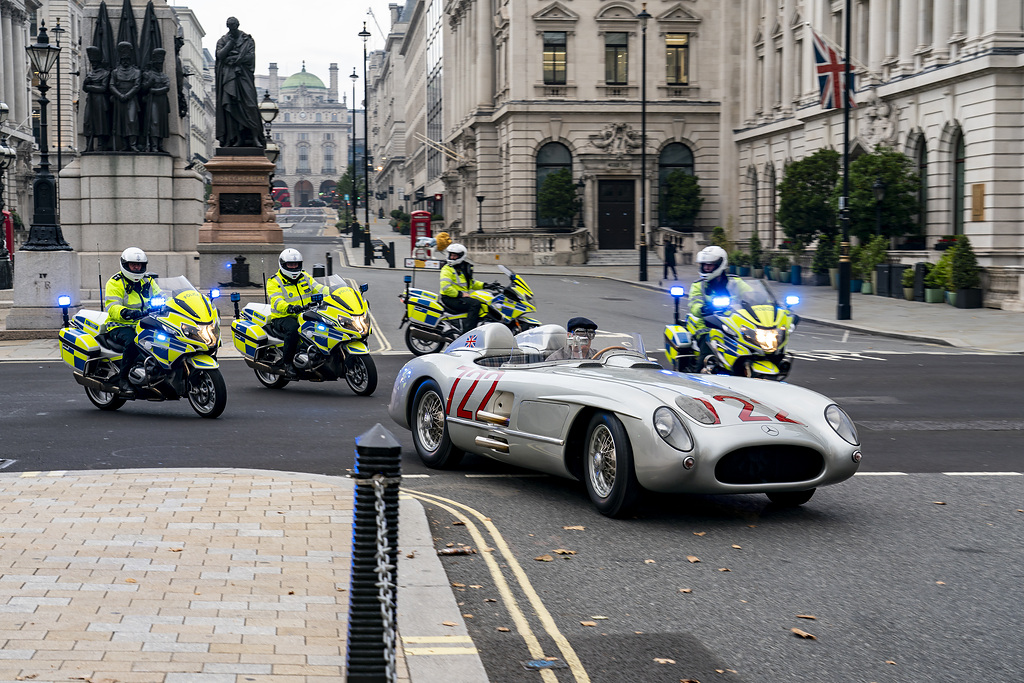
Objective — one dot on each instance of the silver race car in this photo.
(598, 409)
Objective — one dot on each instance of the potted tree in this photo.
(682, 198)
(825, 259)
(780, 265)
(908, 283)
(856, 274)
(556, 199)
(936, 282)
(756, 255)
(872, 255)
(965, 275)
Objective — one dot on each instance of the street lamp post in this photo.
(45, 234)
(7, 156)
(268, 112)
(57, 32)
(365, 35)
(580, 196)
(354, 177)
(878, 187)
(480, 213)
(643, 16)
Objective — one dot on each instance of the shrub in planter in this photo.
(965, 274)
(907, 281)
(871, 256)
(756, 252)
(719, 238)
(941, 276)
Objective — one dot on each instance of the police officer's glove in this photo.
(496, 285)
(293, 309)
(706, 310)
(132, 314)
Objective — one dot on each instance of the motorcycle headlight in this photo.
(842, 424)
(205, 334)
(670, 428)
(767, 339)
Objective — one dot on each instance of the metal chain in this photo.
(384, 573)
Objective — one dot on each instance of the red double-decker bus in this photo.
(281, 195)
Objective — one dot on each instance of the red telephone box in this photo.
(419, 226)
(7, 228)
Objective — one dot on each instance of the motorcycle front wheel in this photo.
(207, 393)
(361, 374)
(104, 400)
(421, 347)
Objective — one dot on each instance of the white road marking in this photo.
(880, 474)
(502, 476)
(846, 335)
(983, 474)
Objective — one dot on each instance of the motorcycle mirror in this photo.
(365, 286)
(677, 291)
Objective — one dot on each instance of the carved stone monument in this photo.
(240, 219)
(131, 187)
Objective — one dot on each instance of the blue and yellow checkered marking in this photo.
(677, 341)
(248, 337)
(77, 347)
(357, 347)
(203, 361)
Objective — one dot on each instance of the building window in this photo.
(677, 58)
(553, 158)
(922, 191)
(318, 118)
(554, 57)
(616, 58)
(303, 159)
(287, 118)
(334, 117)
(328, 136)
(958, 183)
(328, 159)
(303, 136)
(675, 158)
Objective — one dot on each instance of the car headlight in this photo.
(670, 428)
(842, 424)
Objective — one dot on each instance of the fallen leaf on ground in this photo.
(699, 533)
(459, 585)
(639, 633)
(685, 590)
(449, 623)
(467, 616)
(588, 623)
(130, 581)
(490, 600)
(488, 550)
(648, 561)
(459, 523)
(889, 661)
(449, 545)
(291, 592)
(804, 634)
(724, 569)
(544, 558)
(563, 551)
(806, 616)
(503, 629)
(941, 583)
(692, 558)
(411, 555)
(664, 660)
(939, 502)
(176, 550)
(475, 585)
(598, 617)
(574, 528)
(688, 680)
(737, 547)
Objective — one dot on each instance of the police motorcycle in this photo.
(748, 333)
(333, 334)
(177, 340)
(432, 326)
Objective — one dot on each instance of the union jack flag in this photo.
(470, 341)
(831, 71)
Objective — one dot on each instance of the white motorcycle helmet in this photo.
(290, 264)
(134, 264)
(712, 262)
(456, 254)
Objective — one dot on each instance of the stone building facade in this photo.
(199, 88)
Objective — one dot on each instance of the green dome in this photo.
(303, 78)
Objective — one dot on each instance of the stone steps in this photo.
(621, 257)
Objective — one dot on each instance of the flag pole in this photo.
(843, 307)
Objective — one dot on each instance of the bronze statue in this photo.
(238, 119)
(125, 82)
(179, 74)
(96, 122)
(156, 103)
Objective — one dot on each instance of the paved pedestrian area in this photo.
(198, 576)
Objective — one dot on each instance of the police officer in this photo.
(456, 284)
(126, 297)
(714, 281)
(290, 290)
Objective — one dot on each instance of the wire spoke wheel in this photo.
(610, 478)
(430, 429)
(601, 461)
(430, 421)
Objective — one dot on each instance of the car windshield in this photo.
(173, 286)
(551, 343)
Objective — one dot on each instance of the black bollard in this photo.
(330, 263)
(370, 656)
(367, 251)
(390, 254)
(355, 234)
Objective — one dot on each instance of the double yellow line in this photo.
(504, 589)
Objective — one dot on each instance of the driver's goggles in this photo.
(583, 334)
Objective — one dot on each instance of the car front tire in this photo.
(430, 429)
(608, 466)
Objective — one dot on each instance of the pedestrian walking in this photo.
(670, 261)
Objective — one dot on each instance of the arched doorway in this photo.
(328, 192)
(555, 189)
(674, 158)
(303, 192)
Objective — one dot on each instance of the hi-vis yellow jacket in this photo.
(121, 293)
(455, 280)
(699, 296)
(284, 293)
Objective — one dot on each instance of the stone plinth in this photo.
(39, 278)
(113, 201)
(240, 218)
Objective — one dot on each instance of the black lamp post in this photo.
(268, 112)
(480, 213)
(44, 234)
(7, 156)
(580, 196)
(57, 32)
(355, 175)
(365, 35)
(878, 187)
(643, 17)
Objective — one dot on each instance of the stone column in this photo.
(485, 54)
(20, 59)
(788, 57)
(908, 35)
(942, 28)
(273, 86)
(7, 44)
(750, 72)
(768, 82)
(876, 38)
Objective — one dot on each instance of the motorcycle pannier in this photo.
(78, 347)
(248, 336)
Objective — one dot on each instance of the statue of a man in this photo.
(238, 118)
(96, 121)
(125, 82)
(156, 103)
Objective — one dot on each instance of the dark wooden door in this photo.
(616, 214)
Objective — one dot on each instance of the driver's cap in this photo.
(581, 323)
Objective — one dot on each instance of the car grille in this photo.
(769, 465)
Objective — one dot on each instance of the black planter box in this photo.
(969, 298)
(882, 279)
(820, 280)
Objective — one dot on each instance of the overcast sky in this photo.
(289, 31)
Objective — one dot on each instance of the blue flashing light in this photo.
(157, 302)
(161, 337)
(63, 300)
(720, 302)
(792, 300)
(677, 291)
(214, 293)
(408, 278)
(320, 328)
(235, 296)
(228, 265)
